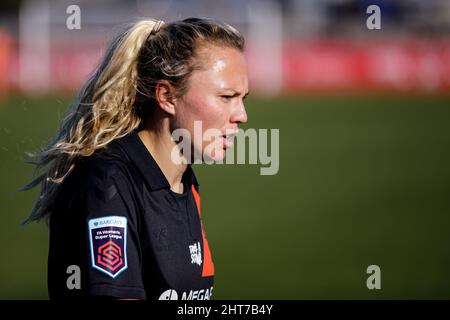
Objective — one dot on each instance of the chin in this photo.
(217, 156)
(220, 155)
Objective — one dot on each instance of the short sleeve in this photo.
(112, 249)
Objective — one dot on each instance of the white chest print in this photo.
(196, 253)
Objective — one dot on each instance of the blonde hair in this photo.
(120, 94)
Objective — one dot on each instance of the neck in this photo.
(160, 145)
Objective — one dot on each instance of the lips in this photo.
(227, 141)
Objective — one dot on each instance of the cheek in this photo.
(208, 111)
(213, 119)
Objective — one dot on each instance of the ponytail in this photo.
(102, 112)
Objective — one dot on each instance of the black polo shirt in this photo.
(118, 230)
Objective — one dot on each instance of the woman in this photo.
(124, 215)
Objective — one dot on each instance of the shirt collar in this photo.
(140, 156)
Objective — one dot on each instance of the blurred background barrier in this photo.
(364, 142)
(292, 45)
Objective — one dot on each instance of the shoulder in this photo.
(106, 169)
(107, 182)
(108, 163)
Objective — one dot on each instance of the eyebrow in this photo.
(236, 93)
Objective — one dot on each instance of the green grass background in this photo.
(362, 180)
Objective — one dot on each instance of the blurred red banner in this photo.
(400, 65)
(306, 66)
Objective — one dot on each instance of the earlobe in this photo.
(164, 94)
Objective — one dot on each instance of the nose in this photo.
(239, 114)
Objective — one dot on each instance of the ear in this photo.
(164, 94)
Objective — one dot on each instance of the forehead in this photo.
(220, 67)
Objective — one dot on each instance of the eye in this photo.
(226, 97)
